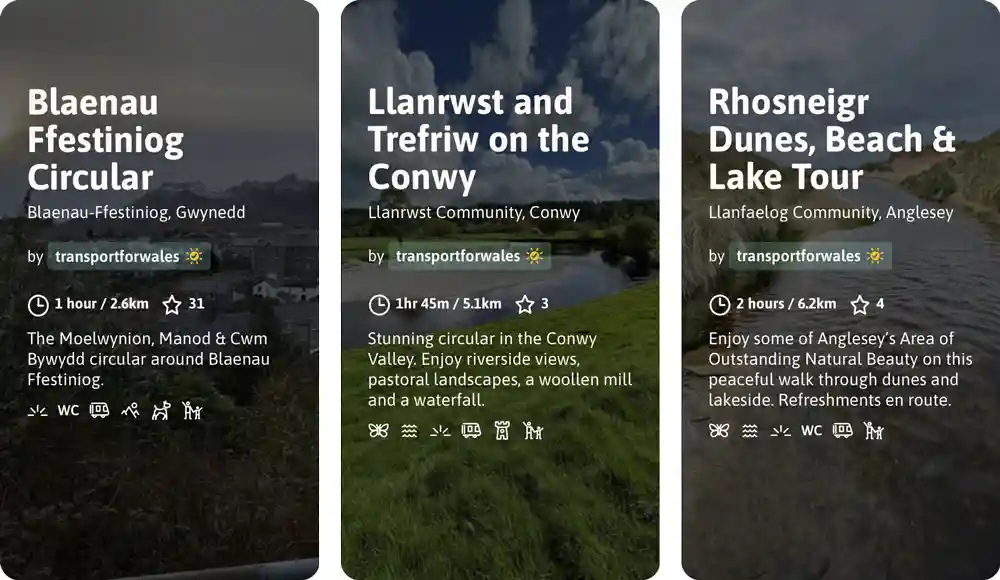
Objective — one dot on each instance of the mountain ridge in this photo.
(289, 200)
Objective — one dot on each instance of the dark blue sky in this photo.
(430, 27)
(607, 52)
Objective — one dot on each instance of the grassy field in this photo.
(582, 503)
(92, 500)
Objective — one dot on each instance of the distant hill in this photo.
(291, 201)
(972, 176)
(697, 157)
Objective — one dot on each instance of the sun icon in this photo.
(875, 256)
(534, 256)
(193, 256)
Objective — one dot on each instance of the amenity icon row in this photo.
(838, 430)
(467, 430)
(101, 410)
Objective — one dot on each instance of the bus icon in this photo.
(842, 430)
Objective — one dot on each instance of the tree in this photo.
(215, 261)
(549, 227)
(438, 228)
(396, 199)
(639, 238)
(241, 382)
(264, 320)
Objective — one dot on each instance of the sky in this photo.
(607, 52)
(239, 77)
(924, 62)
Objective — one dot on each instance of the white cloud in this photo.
(503, 178)
(372, 59)
(620, 120)
(632, 170)
(585, 116)
(631, 157)
(620, 43)
(507, 64)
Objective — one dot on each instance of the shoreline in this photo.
(984, 213)
(710, 469)
(698, 321)
(903, 167)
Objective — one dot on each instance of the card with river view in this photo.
(840, 261)
(500, 291)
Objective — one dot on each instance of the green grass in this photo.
(581, 503)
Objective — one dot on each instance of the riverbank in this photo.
(365, 280)
(782, 485)
(934, 470)
(775, 492)
(703, 279)
(581, 503)
(901, 167)
(969, 179)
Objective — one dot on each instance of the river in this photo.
(924, 502)
(573, 279)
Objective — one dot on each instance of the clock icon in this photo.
(379, 305)
(720, 305)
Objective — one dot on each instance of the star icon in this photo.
(524, 305)
(860, 305)
(171, 304)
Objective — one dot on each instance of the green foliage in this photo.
(438, 228)
(874, 166)
(973, 174)
(394, 198)
(639, 237)
(548, 227)
(400, 227)
(581, 503)
(358, 229)
(88, 498)
(241, 383)
(612, 241)
(936, 183)
(587, 232)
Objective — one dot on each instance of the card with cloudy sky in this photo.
(581, 501)
(607, 53)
